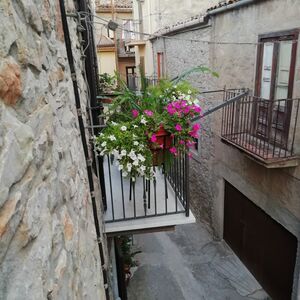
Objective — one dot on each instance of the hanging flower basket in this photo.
(150, 129)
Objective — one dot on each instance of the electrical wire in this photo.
(180, 39)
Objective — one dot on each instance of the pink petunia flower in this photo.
(149, 113)
(197, 109)
(178, 127)
(153, 138)
(189, 144)
(190, 155)
(171, 110)
(187, 109)
(173, 150)
(181, 142)
(196, 127)
(193, 134)
(135, 113)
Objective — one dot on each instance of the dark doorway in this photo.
(266, 248)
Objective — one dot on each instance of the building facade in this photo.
(153, 15)
(113, 54)
(250, 201)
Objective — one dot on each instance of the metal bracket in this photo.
(73, 76)
(79, 112)
(72, 15)
(89, 162)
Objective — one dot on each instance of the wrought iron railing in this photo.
(166, 194)
(136, 83)
(264, 128)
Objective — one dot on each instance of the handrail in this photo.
(209, 111)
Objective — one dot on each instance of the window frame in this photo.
(286, 35)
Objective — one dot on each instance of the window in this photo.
(276, 60)
(127, 34)
(110, 34)
(160, 65)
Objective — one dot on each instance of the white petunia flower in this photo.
(141, 157)
(103, 144)
(143, 168)
(129, 166)
(135, 143)
(123, 128)
(136, 162)
(121, 167)
(143, 121)
(116, 153)
(123, 152)
(112, 137)
(114, 123)
(135, 126)
(124, 174)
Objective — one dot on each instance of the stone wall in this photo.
(48, 247)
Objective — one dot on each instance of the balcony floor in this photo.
(266, 154)
(124, 215)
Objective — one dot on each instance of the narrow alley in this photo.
(199, 268)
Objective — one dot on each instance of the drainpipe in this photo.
(231, 6)
(91, 70)
(141, 25)
(84, 141)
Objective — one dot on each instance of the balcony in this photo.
(146, 205)
(135, 83)
(266, 130)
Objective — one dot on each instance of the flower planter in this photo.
(163, 138)
(163, 142)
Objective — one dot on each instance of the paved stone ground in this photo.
(189, 265)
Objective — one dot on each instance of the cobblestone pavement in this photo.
(189, 265)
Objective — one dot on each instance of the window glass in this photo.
(266, 74)
(283, 70)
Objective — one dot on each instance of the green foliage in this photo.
(128, 254)
(106, 83)
(199, 69)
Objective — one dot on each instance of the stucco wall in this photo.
(107, 62)
(48, 247)
(276, 191)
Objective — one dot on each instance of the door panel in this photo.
(266, 248)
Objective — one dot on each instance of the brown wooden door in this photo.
(274, 84)
(266, 248)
